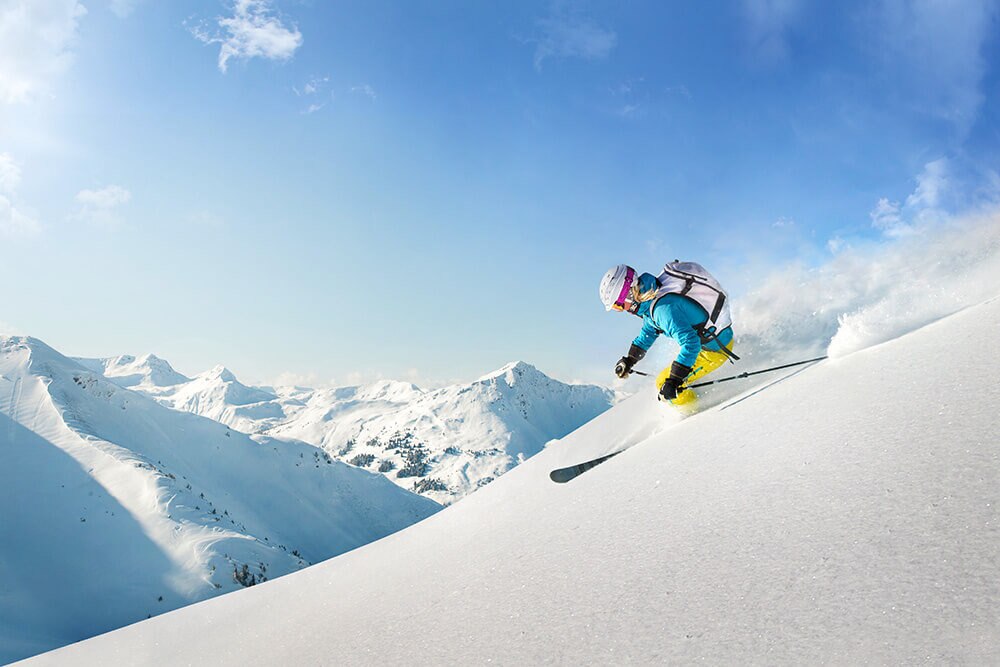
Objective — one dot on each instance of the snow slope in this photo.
(844, 513)
(115, 507)
(443, 444)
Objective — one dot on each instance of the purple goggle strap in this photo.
(629, 276)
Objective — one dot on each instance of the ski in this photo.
(563, 475)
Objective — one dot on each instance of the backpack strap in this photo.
(709, 335)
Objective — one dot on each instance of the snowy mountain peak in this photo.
(128, 371)
(219, 372)
(33, 347)
(514, 371)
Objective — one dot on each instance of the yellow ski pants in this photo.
(707, 361)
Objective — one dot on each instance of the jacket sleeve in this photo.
(647, 336)
(670, 315)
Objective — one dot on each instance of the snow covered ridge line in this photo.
(847, 514)
(442, 443)
(126, 509)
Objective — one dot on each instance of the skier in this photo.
(687, 304)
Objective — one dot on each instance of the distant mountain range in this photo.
(443, 443)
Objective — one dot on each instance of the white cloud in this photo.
(931, 185)
(925, 203)
(887, 217)
(293, 379)
(629, 110)
(14, 221)
(935, 51)
(253, 31)
(205, 219)
(101, 207)
(108, 197)
(681, 90)
(768, 22)
(312, 86)
(564, 35)
(9, 330)
(10, 174)
(123, 8)
(312, 89)
(35, 41)
(366, 90)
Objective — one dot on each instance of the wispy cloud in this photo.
(206, 220)
(932, 183)
(293, 379)
(102, 206)
(626, 97)
(315, 89)
(253, 31)
(313, 86)
(636, 97)
(935, 50)
(10, 173)
(768, 23)
(14, 220)
(36, 37)
(123, 8)
(366, 90)
(924, 204)
(9, 329)
(887, 216)
(564, 34)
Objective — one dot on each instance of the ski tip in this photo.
(560, 476)
(563, 475)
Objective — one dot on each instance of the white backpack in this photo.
(692, 280)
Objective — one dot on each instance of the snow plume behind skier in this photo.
(684, 303)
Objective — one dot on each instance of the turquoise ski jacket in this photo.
(675, 316)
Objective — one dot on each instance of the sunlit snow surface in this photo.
(113, 507)
(847, 513)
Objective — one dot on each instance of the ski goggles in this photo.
(622, 303)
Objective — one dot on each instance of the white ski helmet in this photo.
(616, 285)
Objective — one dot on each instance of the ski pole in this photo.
(746, 375)
(741, 375)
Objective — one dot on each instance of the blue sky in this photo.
(336, 191)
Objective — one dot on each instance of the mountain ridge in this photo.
(443, 443)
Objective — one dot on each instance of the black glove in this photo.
(624, 366)
(678, 372)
